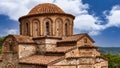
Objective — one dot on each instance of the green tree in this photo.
(1, 40)
(113, 60)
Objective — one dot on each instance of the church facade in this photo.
(46, 40)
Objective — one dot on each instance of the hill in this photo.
(111, 50)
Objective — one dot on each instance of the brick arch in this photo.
(49, 30)
(10, 44)
(10, 65)
(36, 27)
(25, 27)
(59, 26)
(67, 27)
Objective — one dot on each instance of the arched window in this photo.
(66, 31)
(47, 28)
(9, 65)
(36, 28)
(58, 27)
(26, 29)
(10, 46)
(67, 27)
(85, 40)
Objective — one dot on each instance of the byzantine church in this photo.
(46, 40)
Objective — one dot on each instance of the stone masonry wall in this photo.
(26, 50)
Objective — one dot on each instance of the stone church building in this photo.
(46, 40)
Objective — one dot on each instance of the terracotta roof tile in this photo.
(102, 57)
(61, 49)
(88, 46)
(71, 38)
(75, 38)
(23, 39)
(39, 59)
(45, 8)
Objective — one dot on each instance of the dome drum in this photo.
(50, 20)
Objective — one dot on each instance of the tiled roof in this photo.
(47, 37)
(22, 39)
(88, 46)
(39, 59)
(45, 8)
(71, 38)
(74, 38)
(102, 57)
(61, 49)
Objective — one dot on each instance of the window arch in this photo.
(67, 27)
(66, 31)
(58, 26)
(36, 27)
(9, 65)
(26, 28)
(85, 40)
(48, 26)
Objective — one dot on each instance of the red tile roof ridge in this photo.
(71, 38)
(39, 59)
(21, 38)
(88, 46)
(75, 37)
(63, 49)
(102, 57)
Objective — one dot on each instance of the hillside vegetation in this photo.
(1, 39)
(110, 50)
(113, 60)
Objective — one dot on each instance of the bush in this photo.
(113, 60)
(1, 40)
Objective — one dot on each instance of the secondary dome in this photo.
(45, 8)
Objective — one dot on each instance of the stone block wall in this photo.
(10, 59)
(26, 50)
(84, 41)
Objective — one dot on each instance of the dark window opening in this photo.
(26, 29)
(10, 46)
(36, 24)
(47, 28)
(85, 40)
(66, 31)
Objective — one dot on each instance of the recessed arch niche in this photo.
(26, 27)
(67, 27)
(36, 27)
(48, 29)
(58, 27)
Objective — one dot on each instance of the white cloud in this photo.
(12, 31)
(16, 8)
(84, 22)
(6, 32)
(75, 7)
(87, 22)
(114, 17)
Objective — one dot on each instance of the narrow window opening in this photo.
(10, 46)
(66, 31)
(47, 28)
(85, 40)
(26, 29)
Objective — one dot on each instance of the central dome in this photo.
(45, 8)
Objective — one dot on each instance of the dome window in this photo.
(47, 28)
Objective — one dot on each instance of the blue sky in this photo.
(99, 18)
